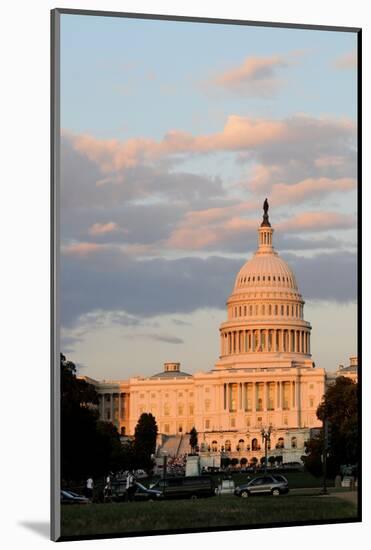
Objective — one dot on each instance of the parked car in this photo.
(185, 487)
(263, 485)
(69, 497)
(280, 477)
(116, 492)
(143, 493)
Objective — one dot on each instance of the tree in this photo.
(225, 461)
(243, 461)
(278, 459)
(262, 460)
(193, 439)
(234, 462)
(339, 407)
(145, 436)
(254, 461)
(271, 460)
(89, 447)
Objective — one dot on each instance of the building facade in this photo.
(264, 377)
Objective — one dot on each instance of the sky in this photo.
(173, 134)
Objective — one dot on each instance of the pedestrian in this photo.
(130, 486)
(89, 487)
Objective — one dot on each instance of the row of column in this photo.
(274, 340)
(109, 398)
(261, 396)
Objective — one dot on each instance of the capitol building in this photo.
(264, 377)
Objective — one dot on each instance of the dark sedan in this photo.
(263, 485)
(143, 493)
(68, 497)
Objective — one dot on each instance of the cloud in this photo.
(346, 61)
(317, 221)
(103, 228)
(327, 276)
(310, 188)
(256, 76)
(81, 249)
(110, 281)
(261, 137)
(165, 338)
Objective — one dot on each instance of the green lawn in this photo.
(224, 511)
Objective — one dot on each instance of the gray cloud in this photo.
(327, 276)
(110, 281)
(168, 339)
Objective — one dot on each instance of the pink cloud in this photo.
(255, 76)
(82, 249)
(103, 228)
(287, 194)
(240, 134)
(317, 221)
(347, 61)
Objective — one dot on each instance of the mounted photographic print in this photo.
(206, 221)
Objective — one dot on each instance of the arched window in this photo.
(241, 445)
(254, 444)
(294, 443)
(227, 445)
(214, 446)
(280, 443)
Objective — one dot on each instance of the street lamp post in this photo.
(266, 435)
(164, 456)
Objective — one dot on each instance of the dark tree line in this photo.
(339, 407)
(89, 446)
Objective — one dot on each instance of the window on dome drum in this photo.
(250, 310)
(244, 310)
(287, 310)
(258, 277)
(263, 277)
(276, 310)
(269, 310)
(263, 310)
(282, 310)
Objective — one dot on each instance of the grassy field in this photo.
(225, 511)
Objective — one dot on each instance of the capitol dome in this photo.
(265, 309)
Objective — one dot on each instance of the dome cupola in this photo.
(265, 309)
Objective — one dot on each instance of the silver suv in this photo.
(263, 485)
